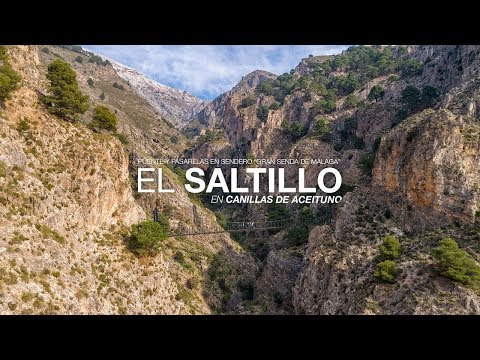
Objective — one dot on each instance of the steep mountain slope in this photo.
(403, 122)
(175, 105)
(67, 204)
(142, 124)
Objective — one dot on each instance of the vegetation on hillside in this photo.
(146, 237)
(376, 93)
(294, 130)
(92, 58)
(65, 98)
(359, 64)
(9, 79)
(387, 271)
(247, 101)
(457, 264)
(104, 119)
(299, 232)
(390, 248)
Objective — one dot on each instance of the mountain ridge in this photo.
(177, 106)
(403, 122)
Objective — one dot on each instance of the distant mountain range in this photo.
(175, 105)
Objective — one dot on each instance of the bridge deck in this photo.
(237, 226)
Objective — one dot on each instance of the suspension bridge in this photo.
(233, 226)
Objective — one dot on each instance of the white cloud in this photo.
(208, 70)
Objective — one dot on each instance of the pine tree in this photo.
(104, 119)
(9, 79)
(65, 98)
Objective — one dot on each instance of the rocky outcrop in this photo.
(338, 277)
(432, 160)
(274, 286)
(66, 205)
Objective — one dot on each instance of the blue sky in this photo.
(209, 70)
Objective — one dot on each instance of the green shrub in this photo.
(349, 128)
(274, 106)
(208, 136)
(90, 83)
(307, 96)
(294, 130)
(65, 98)
(49, 233)
(376, 93)
(174, 139)
(9, 79)
(358, 143)
(297, 235)
(46, 50)
(262, 112)
(221, 219)
(79, 59)
(246, 288)
(345, 84)
(416, 99)
(412, 97)
(97, 60)
(401, 115)
(74, 48)
(338, 146)
(102, 96)
(168, 123)
(376, 144)
(393, 78)
(411, 67)
(412, 134)
(277, 212)
(246, 102)
(306, 217)
(118, 86)
(456, 263)
(179, 257)
(104, 119)
(266, 87)
(23, 125)
(284, 84)
(122, 137)
(321, 128)
(430, 95)
(387, 271)
(325, 106)
(390, 248)
(366, 163)
(278, 298)
(351, 101)
(146, 237)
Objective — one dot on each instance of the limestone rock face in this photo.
(66, 199)
(338, 279)
(432, 159)
(425, 176)
(67, 203)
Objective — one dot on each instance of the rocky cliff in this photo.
(402, 123)
(408, 159)
(432, 160)
(67, 203)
